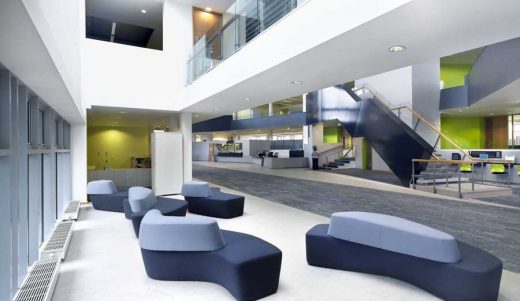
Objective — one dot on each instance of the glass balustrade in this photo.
(240, 23)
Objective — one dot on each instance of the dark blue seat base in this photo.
(109, 202)
(248, 267)
(475, 277)
(219, 204)
(167, 206)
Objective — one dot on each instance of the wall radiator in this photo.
(40, 281)
(58, 243)
(72, 211)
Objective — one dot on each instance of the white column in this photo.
(185, 126)
(78, 159)
(173, 123)
(270, 109)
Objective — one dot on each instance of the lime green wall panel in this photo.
(332, 134)
(115, 146)
(453, 75)
(468, 132)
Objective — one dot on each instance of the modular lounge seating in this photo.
(104, 196)
(401, 249)
(141, 200)
(193, 248)
(208, 201)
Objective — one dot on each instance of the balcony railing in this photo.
(243, 21)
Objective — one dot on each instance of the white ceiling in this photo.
(219, 6)
(430, 29)
(127, 11)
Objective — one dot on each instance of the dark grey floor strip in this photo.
(492, 228)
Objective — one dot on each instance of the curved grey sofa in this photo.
(104, 196)
(193, 248)
(141, 200)
(212, 202)
(401, 249)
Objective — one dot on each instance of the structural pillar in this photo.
(270, 109)
(173, 123)
(187, 137)
(78, 153)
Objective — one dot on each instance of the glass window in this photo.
(514, 131)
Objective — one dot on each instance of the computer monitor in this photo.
(483, 156)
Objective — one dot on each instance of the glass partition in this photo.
(241, 23)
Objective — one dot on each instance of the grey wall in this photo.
(426, 97)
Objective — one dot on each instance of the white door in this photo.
(167, 169)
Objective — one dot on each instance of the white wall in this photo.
(61, 25)
(395, 86)
(125, 76)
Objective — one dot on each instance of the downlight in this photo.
(296, 82)
(397, 48)
(143, 11)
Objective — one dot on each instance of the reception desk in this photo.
(274, 163)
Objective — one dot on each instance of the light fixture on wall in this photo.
(296, 82)
(397, 48)
(143, 11)
(208, 9)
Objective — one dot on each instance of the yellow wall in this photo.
(116, 145)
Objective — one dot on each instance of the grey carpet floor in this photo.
(510, 200)
(494, 229)
(374, 175)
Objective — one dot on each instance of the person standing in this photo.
(315, 158)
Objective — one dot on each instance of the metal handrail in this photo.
(472, 162)
(335, 153)
(383, 101)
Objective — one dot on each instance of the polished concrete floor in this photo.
(104, 263)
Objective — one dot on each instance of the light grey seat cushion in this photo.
(101, 187)
(141, 199)
(394, 234)
(174, 233)
(196, 189)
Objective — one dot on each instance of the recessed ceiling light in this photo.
(247, 99)
(197, 115)
(258, 130)
(397, 48)
(491, 113)
(217, 109)
(296, 82)
(208, 9)
(122, 112)
(339, 124)
(143, 11)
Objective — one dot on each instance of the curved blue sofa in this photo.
(247, 266)
(212, 202)
(474, 276)
(104, 196)
(141, 200)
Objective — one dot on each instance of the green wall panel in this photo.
(332, 134)
(453, 74)
(468, 132)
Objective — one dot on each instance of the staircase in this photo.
(364, 113)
